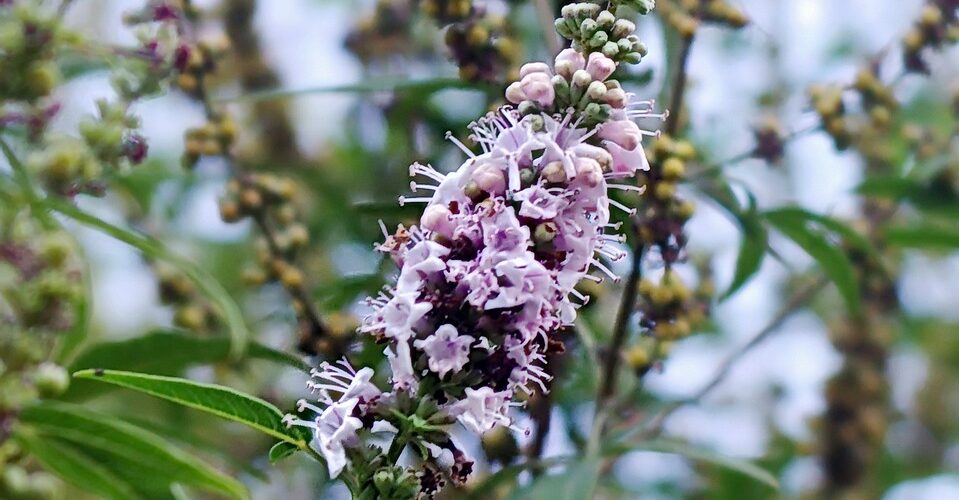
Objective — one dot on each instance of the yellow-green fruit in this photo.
(191, 317)
(41, 77)
(291, 277)
(499, 444)
(665, 191)
(661, 295)
(686, 209)
(637, 357)
(673, 169)
(646, 287)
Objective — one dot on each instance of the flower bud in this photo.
(616, 98)
(539, 88)
(610, 49)
(673, 168)
(533, 67)
(554, 172)
(436, 218)
(596, 91)
(51, 380)
(490, 178)
(606, 19)
(623, 28)
(624, 133)
(545, 232)
(589, 171)
(582, 79)
(599, 66)
(514, 93)
(568, 62)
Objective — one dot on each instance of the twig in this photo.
(679, 86)
(626, 306)
(317, 329)
(799, 299)
(621, 327)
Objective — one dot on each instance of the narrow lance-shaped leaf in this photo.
(924, 236)
(699, 455)
(163, 353)
(214, 399)
(752, 251)
(120, 442)
(74, 467)
(831, 259)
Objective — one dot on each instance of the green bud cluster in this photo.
(39, 294)
(108, 143)
(447, 11)
(594, 29)
(29, 37)
(482, 48)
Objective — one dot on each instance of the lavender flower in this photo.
(488, 277)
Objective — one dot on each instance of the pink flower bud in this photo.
(436, 218)
(589, 172)
(539, 88)
(514, 93)
(582, 79)
(568, 62)
(599, 66)
(534, 67)
(624, 133)
(490, 178)
(616, 98)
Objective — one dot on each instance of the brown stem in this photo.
(621, 327)
(628, 303)
(679, 86)
(310, 317)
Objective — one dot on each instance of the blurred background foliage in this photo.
(804, 199)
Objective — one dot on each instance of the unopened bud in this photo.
(51, 380)
(545, 232)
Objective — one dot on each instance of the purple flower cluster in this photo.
(488, 277)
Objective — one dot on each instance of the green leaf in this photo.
(163, 353)
(832, 259)
(281, 450)
(697, 454)
(217, 400)
(374, 85)
(928, 196)
(923, 236)
(73, 467)
(850, 235)
(575, 483)
(121, 442)
(752, 250)
(155, 249)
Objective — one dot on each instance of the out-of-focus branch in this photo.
(796, 302)
(631, 286)
(255, 74)
(311, 324)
